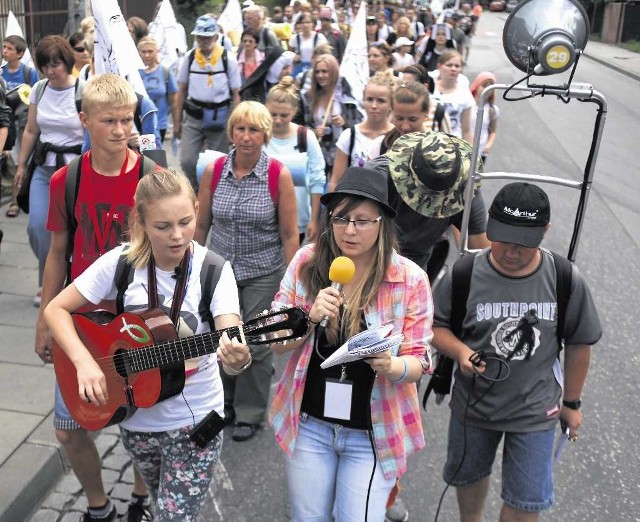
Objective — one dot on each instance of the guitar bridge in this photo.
(128, 393)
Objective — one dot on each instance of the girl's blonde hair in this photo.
(382, 79)
(158, 184)
(254, 114)
(316, 93)
(284, 92)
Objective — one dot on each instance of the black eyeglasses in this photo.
(79, 49)
(326, 20)
(360, 224)
(371, 22)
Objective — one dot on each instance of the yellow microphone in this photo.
(341, 273)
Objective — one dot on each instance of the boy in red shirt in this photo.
(108, 176)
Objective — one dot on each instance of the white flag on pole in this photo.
(231, 21)
(13, 27)
(170, 36)
(114, 50)
(355, 61)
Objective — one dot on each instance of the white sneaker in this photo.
(397, 513)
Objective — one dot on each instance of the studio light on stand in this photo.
(543, 38)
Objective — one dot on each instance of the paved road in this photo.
(597, 478)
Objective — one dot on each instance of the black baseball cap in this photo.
(519, 214)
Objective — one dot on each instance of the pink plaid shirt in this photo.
(404, 299)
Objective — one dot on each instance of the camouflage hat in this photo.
(430, 171)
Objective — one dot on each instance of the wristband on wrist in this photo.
(242, 368)
(404, 373)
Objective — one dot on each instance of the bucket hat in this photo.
(430, 171)
(205, 26)
(358, 181)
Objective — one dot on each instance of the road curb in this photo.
(614, 66)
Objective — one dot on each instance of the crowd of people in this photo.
(303, 174)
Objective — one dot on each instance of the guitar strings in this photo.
(166, 350)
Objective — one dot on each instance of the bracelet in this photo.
(243, 367)
(404, 374)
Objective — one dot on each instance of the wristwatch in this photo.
(573, 405)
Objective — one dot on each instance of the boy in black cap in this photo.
(508, 379)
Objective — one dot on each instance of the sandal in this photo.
(13, 210)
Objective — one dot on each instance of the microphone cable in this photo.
(475, 359)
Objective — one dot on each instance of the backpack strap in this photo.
(209, 277)
(165, 69)
(39, 87)
(564, 271)
(302, 139)
(460, 283)
(218, 165)
(273, 175)
(298, 43)
(71, 186)
(122, 278)
(352, 142)
(437, 117)
(79, 91)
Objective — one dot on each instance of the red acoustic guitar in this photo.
(143, 359)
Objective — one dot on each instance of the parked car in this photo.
(511, 5)
(497, 5)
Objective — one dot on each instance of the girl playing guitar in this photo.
(167, 265)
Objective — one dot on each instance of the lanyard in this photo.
(102, 232)
(180, 289)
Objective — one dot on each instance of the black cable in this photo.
(464, 446)
(524, 78)
(476, 358)
(373, 472)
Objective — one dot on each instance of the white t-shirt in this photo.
(361, 146)
(58, 120)
(402, 61)
(221, 83)
(486, 121)
(306, 45)
(203, 389)
(455, 103)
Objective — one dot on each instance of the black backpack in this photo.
(71, 187)
(442, 377)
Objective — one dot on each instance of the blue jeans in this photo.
(527, 478)
(329, 472)
(39, 236)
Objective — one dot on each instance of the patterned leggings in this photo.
(176, 471)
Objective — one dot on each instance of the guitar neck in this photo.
(176, 351)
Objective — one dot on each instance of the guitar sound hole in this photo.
(122, 363)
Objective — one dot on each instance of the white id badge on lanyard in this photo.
(337, 399)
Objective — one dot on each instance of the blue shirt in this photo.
(160, 83)
(14, 79)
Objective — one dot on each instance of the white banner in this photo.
(231, 21)
(355, 62)
(114, 50)
(170, 36)
(13, 27)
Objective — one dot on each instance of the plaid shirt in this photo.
(404, 299)
(244, 225)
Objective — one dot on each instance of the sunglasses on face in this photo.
(79, 49)
(326, 20)
(371, 22)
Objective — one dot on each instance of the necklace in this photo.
(213, 59)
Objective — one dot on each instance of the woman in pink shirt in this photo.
(347, 430)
